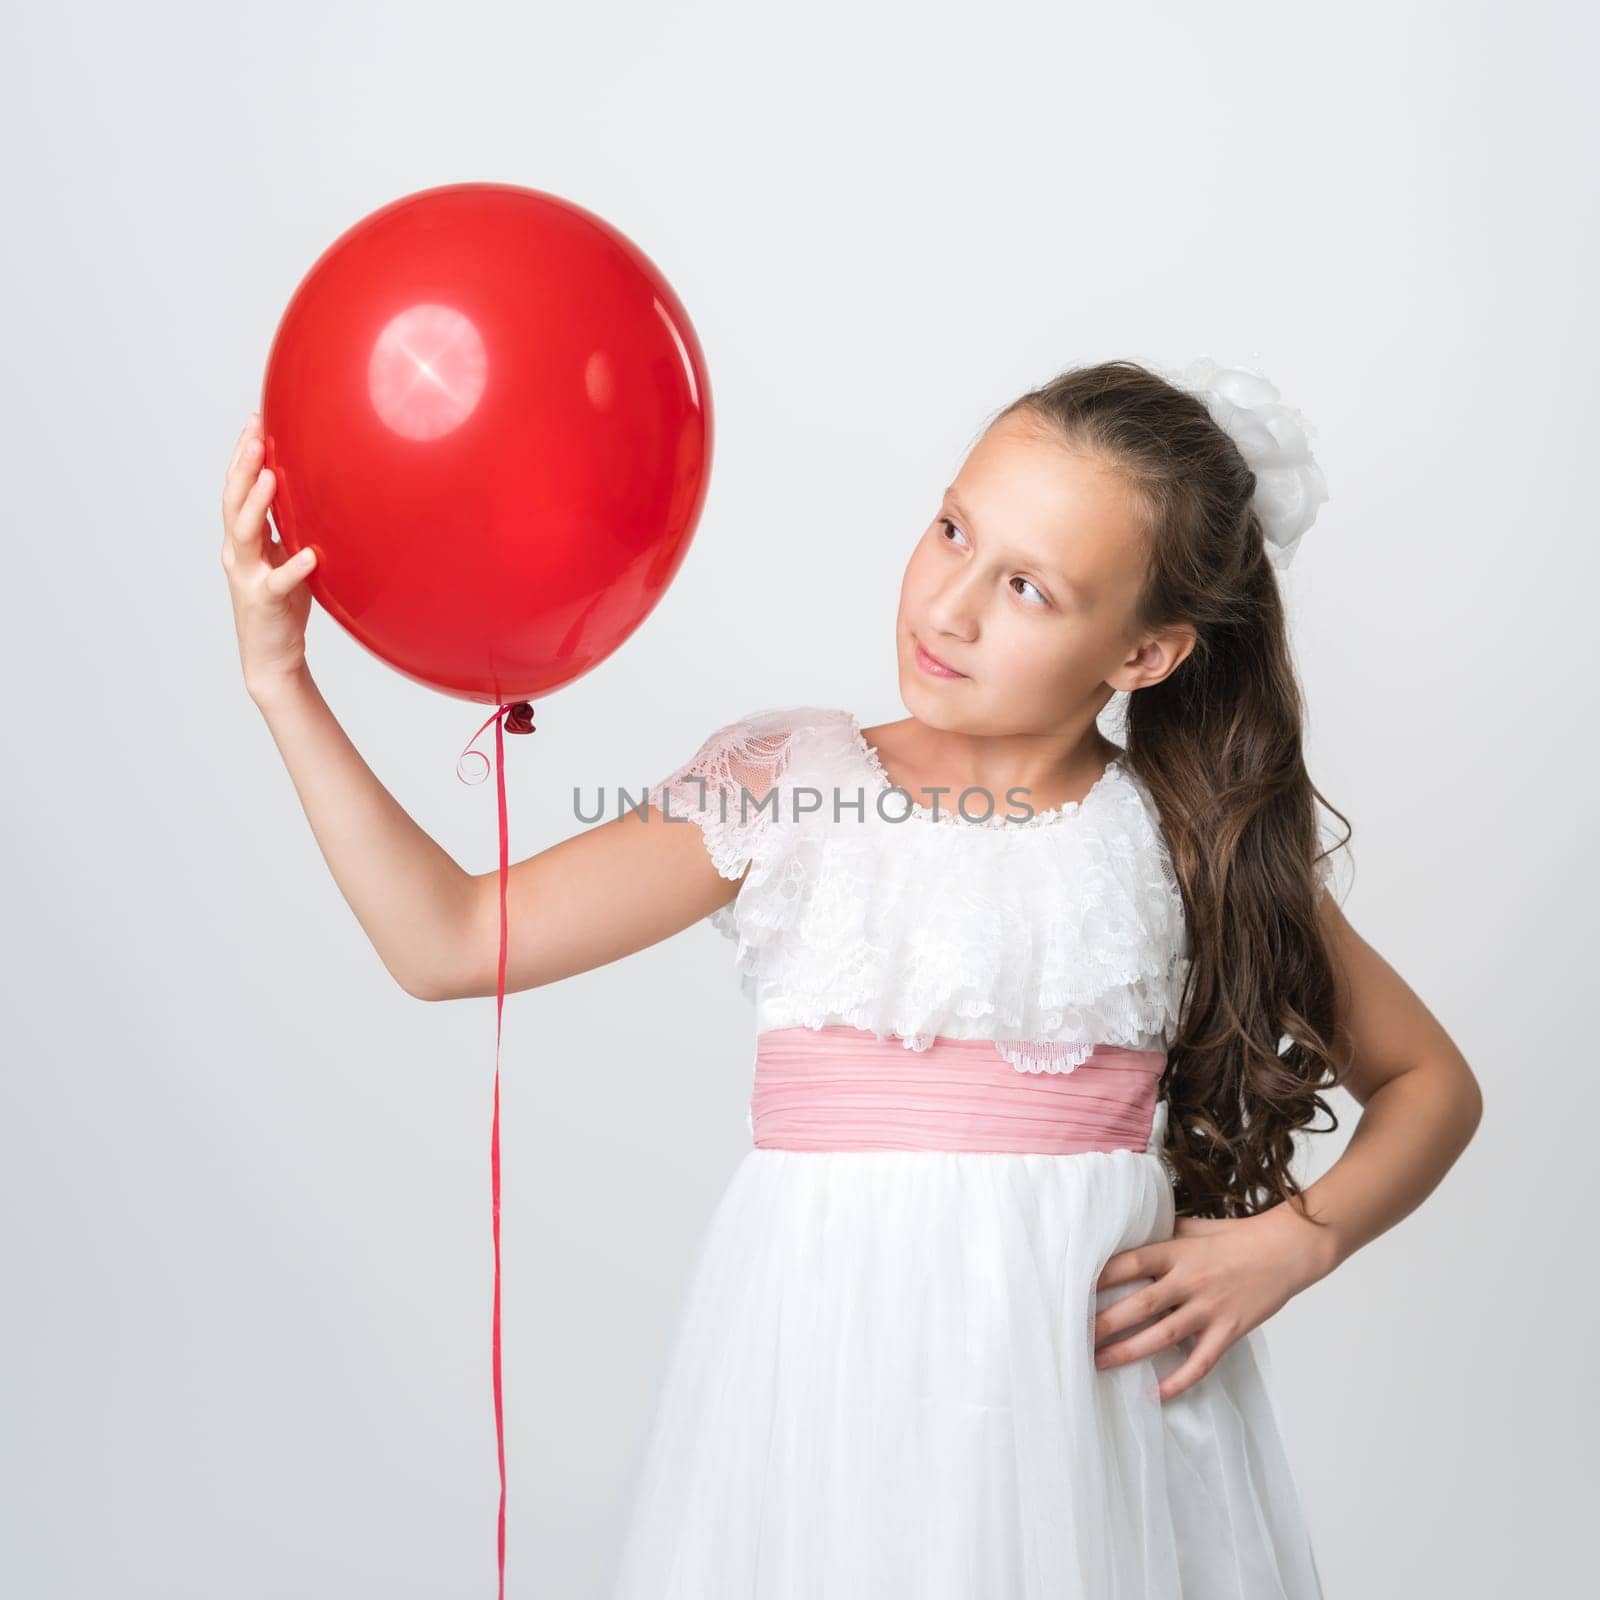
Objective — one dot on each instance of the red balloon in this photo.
(488, 412)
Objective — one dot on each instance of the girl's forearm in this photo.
(407, 892)
(1412, 1130)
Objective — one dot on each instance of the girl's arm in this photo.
(1217, 1278)
(1421, 1102)
(585, 901)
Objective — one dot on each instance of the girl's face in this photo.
(1025, 584)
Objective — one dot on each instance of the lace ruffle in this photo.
(729, 787)
(950, 812)
(1047, 936)
(1322, 875)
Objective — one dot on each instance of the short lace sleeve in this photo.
(729, 787)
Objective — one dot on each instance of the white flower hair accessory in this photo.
(1274, 440)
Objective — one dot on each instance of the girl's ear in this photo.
(1160, 655)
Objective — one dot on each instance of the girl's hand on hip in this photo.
(1215, 1279)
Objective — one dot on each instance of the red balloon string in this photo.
(513, 718)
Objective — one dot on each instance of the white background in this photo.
(247, 1263)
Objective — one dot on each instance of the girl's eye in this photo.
(945, 522)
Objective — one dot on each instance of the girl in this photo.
(979, 1313)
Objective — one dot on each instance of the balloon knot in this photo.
(519, 718)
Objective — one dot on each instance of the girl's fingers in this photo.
(239, 443)
(245, 528)
(291, 572)
(1176, 1325)
(246, 454)
(1143, 1261)
(1205, 1355)
(275, 550)
(1134, 1309)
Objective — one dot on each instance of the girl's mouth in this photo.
(932, 665)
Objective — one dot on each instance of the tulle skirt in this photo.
(881, 1385)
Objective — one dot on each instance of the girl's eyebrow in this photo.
(1044, 566)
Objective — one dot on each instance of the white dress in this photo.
(881, 1383)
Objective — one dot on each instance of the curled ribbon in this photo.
(515, 717)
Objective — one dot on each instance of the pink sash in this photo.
(841, 1088)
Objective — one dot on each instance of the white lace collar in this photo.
(1112, 775)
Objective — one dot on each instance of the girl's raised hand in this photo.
(270, 600)
(1215, 1279)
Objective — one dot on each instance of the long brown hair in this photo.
(1218, 743)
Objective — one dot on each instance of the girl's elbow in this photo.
(1470, 1099)
(424, 986)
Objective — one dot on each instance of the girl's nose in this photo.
(953, 612)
